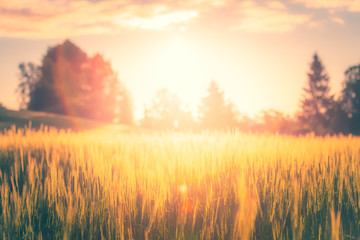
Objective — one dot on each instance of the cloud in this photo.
(338, 20)
(348, 5)
(158, 22)
(64, 18)
(355, 7)
(276, 5)
(61, 18)
(331, 7)
(273, 17)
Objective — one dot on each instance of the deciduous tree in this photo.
(70, 82)
(166, 111)
(351, 98)
(29, 74)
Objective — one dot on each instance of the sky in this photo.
(257, 51)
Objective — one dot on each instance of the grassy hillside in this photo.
(23, 118)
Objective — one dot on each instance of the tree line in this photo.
(70, 82)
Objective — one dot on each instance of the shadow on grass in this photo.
(22, 118)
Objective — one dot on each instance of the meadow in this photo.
(96, 184)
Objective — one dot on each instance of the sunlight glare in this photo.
(180, 68)
(182, 188)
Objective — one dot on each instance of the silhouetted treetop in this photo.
(214, 111)
(166, 111)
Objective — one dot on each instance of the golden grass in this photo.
(210, 185)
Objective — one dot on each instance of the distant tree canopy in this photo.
(351, 98)
(2, 107)
(72, 83)
(273, 121)
(214, 111)
(165, 111)
(317, 101)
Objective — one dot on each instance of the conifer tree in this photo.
(317, 100)
(215, 112)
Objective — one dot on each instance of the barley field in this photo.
(170, 185)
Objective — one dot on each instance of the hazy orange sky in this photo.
(258, 51)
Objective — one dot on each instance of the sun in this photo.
(177, 57)
(177, 43)
(179, 66)
(178, 62)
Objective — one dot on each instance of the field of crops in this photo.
(211, 185)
